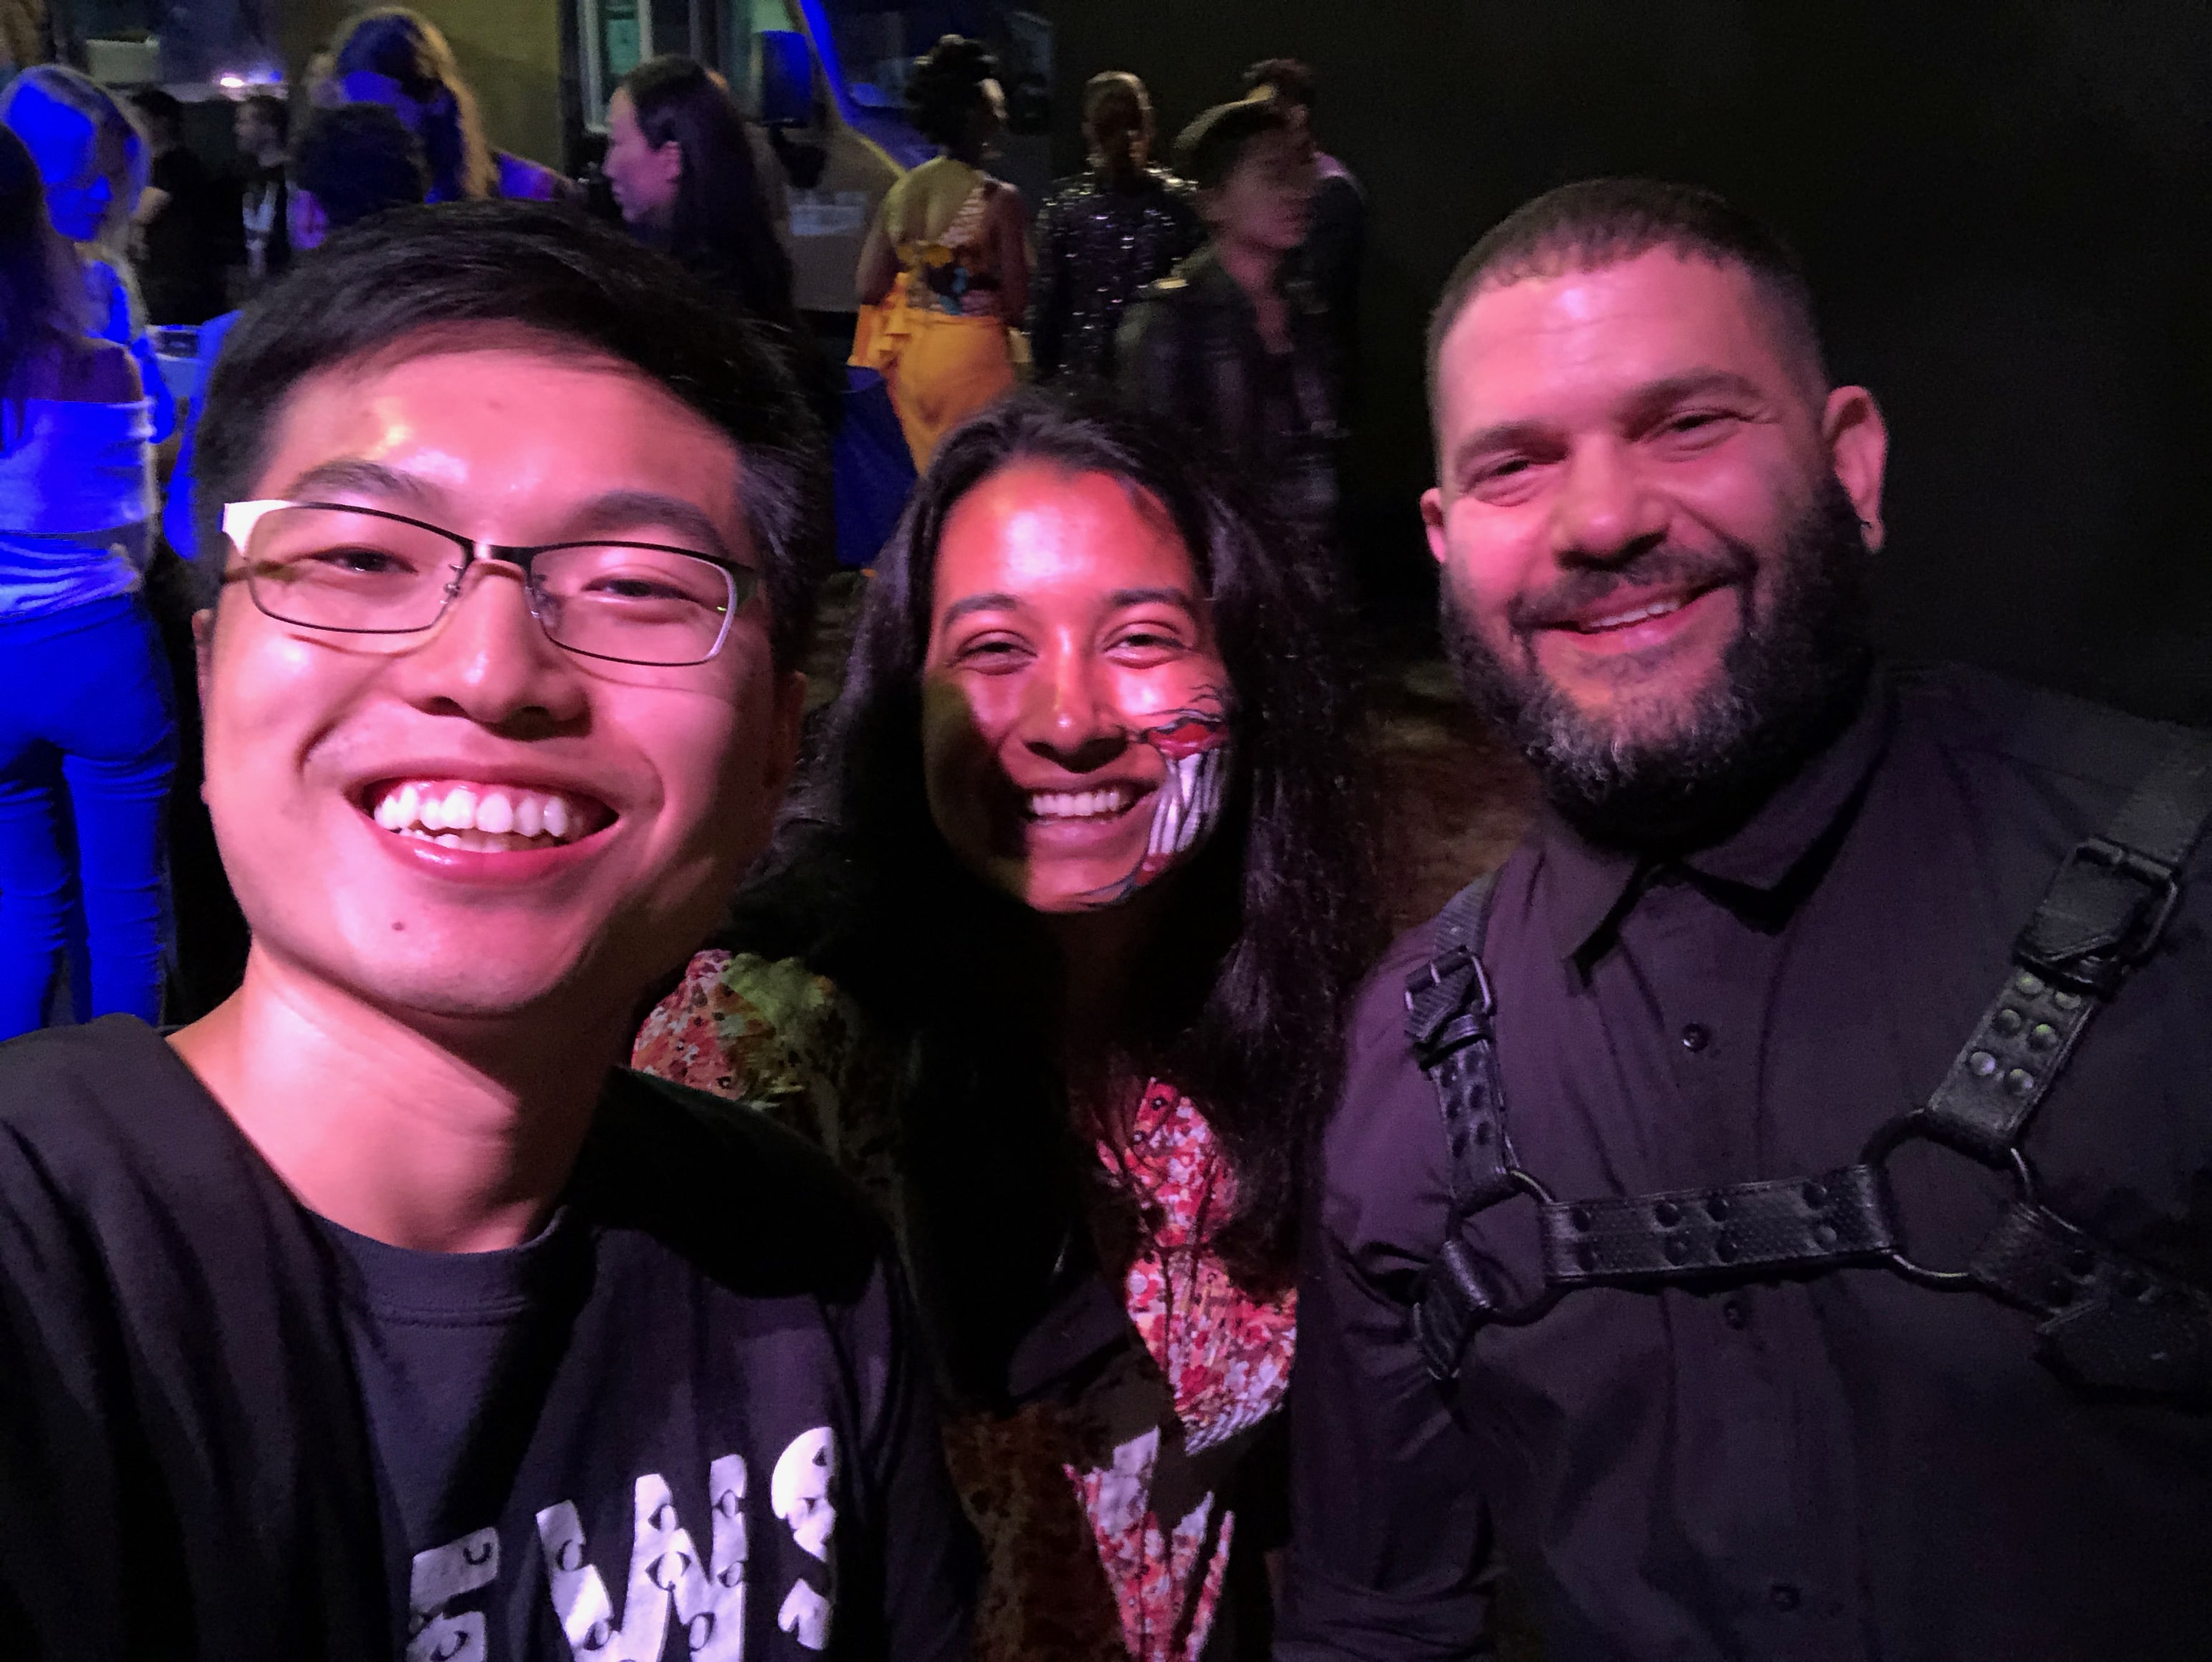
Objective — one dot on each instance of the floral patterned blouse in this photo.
(1105, 1528)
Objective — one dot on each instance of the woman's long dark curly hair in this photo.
(721, 226)
(1241, 990)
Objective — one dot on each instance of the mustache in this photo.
(1662, 565)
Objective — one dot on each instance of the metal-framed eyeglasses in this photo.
(366, 571)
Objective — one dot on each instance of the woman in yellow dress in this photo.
(944, 271)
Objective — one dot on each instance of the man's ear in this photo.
(203, 656)
(1857, 441)
(1432, 522)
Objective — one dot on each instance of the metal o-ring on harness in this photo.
(1914, 1126)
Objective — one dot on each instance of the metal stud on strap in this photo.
(1995, 1083)
(1838, 1218)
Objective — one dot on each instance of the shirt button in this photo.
(1696, 1037)
(1784, 1597)
(1735, 1315)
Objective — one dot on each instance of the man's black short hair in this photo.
(273, 110)
(1207, 151)
(1289, 79)
(161, 109)
(358, 160)
(1596, 222)
(460, 267)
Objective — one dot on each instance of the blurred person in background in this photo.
(944, 272)
(349, 162)
(1230, 345)
(1336, 235)
(1103, 234)
(262, 128)
(85, 739)
(689, 181)
(400, 58)
(93, 159)
(1049, 959)
(181, 220)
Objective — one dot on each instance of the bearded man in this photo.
(1729, 1229)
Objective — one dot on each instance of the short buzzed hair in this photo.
(1596, 222)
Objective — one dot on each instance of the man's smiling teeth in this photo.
(1080, 804)
(1623, 619)
(488, 818)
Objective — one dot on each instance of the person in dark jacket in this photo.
(380, 1311)
(1103, 234)
(182, 219)
(1227, 345)
(1336, 235)
(1735, 1231)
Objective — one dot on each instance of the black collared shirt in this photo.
(1843, 1465)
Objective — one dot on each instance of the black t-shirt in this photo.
(436, 1339)
(180, 268)
(686, 1421)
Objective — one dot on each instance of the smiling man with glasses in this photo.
(378, 1312)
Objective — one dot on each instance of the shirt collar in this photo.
(1585, 885)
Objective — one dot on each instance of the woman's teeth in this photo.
(1080, 804)
(487, 818)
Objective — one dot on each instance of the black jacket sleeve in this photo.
(1391, 1538)
(1147, 355)
(930, 1557)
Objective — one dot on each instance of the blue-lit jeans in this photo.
(86, 745)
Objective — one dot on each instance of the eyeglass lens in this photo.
(330, 567)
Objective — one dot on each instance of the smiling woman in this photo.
(1051, 959)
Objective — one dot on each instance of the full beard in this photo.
(1788, 684)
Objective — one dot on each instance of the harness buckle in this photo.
(1449, 1003)
(2101, 968)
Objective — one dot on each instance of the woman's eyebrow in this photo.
(1125, 597)
(961, 608)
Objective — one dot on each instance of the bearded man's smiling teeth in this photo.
(485, 818)
(1636, 615)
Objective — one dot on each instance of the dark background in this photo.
(2003, 208)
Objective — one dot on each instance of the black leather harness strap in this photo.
(2101, 916)
(1839, 1217)
(2108, 1320)
(1448, 1008)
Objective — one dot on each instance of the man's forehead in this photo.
(532, 423)
(1620, 325)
